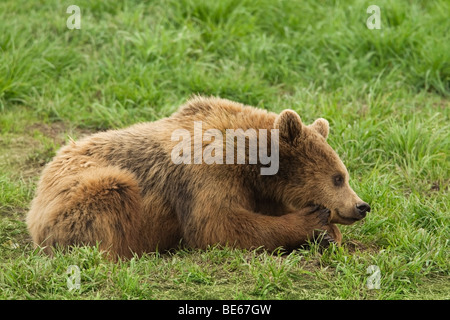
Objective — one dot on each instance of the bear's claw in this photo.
(325, 240)
(329, 239)
(322, 213)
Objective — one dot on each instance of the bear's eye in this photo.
(338, 180)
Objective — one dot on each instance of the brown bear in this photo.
(140, 189)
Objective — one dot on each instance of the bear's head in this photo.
(311, 172)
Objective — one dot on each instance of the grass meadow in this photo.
(385, 92)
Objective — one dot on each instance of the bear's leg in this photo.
(102, 205)
(245, 229)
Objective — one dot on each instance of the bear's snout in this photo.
(362, 209)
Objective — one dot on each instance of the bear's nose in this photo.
(363, 208)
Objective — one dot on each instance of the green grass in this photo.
(385, 92)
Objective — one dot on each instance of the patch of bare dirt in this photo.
(57, 131)
(25, 155)
(357, 246)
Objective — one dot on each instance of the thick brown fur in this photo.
(121, 189)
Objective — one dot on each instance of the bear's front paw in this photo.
(321, 213)
(330, 234)
(324, 239)
(327, 240)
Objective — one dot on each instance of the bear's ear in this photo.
(289, 125)
(322, 126)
